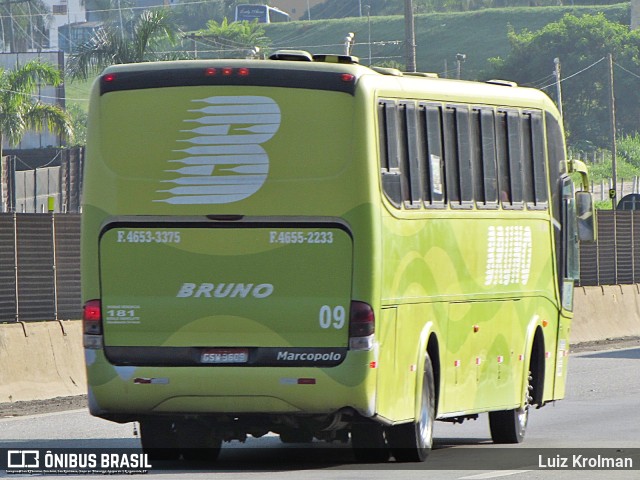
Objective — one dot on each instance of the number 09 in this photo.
(332, 317)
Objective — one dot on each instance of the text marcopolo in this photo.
(309, 356)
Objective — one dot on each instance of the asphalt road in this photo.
(601, 412)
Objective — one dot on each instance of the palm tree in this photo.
(19, 111)
(111, 44)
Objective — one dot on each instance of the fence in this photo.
(624, 186)
(39, 267)
(615, 258)
(29, 190)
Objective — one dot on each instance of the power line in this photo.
(628, 71)
(538, 82)
(577, 73)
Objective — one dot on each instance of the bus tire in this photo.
(159, 439)
(510, 426)
(411, 442)
(368, 443)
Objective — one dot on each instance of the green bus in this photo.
(310, 247)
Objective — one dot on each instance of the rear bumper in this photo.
(130, 391)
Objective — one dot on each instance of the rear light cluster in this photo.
(208, 72)
(362, 322)
(361, 325)
(92, 324)
(226, 72)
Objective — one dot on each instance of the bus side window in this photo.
(539, 161)
(403, 152)
(452, 173)
(465, 172)
(502, 153)
(488, 173)
(414, 157)
(434, 175)
(389, 154)
(529, 187)
(514, 134)
(416, 141)
(535, 177)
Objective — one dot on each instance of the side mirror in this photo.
(587, 227)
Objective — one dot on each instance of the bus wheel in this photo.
(368, 443)
(197, 442)
(411, 442)
(159, 439)
(509, 426)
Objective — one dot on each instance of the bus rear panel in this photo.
(218, 244)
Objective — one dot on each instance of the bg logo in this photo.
(223, 162)
(23, 459)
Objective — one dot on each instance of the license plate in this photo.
(225, 355)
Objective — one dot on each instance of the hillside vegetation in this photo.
(479, 35)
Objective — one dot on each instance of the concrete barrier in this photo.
(605, 312)
(41, 360)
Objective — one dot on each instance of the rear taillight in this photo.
(226, 72)
(362, 323)
(92, 324)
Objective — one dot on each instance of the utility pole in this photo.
(410, 36)
(612, 108)
(368, 7)
(460, 57)
(121, 24)
(556, 72)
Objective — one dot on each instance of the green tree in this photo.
(19, 111)
(79, 118)
(628, 148)
(582, 45)
(191, 15)
(234, 38)
(138, 41)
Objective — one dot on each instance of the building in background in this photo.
(64, 13)
(74, 34)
